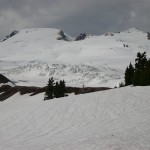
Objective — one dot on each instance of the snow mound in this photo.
(110, 120)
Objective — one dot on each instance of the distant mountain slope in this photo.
(41, 45)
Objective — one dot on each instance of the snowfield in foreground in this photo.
(117, 119)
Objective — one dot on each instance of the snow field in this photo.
(116, 119)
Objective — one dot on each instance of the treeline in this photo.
(139, 74)
(55, 89)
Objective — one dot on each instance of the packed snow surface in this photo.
(33, 55)
(117, 119)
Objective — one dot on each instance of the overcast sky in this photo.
(75, 16)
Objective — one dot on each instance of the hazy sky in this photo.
(75, 16)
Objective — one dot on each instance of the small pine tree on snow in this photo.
(49, 94)
(55, 90)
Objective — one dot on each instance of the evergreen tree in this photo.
(140, 66)
(140, 75)
(57, 90)
(140, 61)
(129, 73)
(127, 76)
(147, 73)
(62, 88)
(49, 94)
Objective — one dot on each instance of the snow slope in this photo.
(117, 119)
(38, 50)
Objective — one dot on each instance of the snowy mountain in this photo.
(33, 55)
(116, 119)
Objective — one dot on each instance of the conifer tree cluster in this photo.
(139, 75)
(55, 89)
